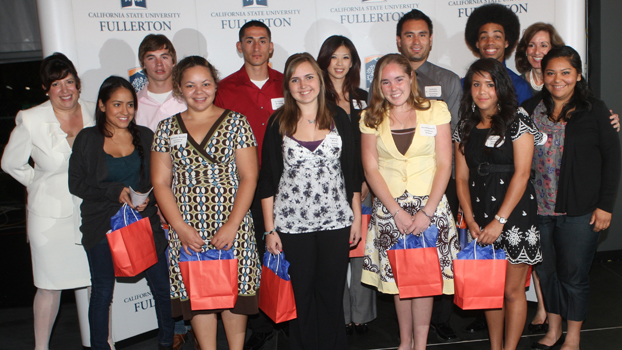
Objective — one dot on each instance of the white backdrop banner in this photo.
(102, 37)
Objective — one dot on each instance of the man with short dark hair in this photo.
(492, 31)
(255, 91)
(414, 41)
(157, 57)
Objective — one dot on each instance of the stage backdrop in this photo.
(101, 37)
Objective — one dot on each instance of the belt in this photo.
(486, 168)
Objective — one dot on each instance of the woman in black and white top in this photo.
(310, 189)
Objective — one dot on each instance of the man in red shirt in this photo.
(255, 91)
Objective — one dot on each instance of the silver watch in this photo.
(501, 220)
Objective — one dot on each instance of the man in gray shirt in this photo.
(414, 41)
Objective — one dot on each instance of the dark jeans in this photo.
(568, 248)
(318, 268)
(102, 281)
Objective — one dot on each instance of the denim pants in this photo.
(102, 281)
(568, 247)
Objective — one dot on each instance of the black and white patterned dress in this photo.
(520, 237)
(312, 195)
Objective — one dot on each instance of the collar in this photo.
(242, 77)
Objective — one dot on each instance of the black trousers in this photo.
(318, 268)
(259, 323)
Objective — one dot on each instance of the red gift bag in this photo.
(359, 250)
(479, 284)
(276, 295)
(133, 248)
(417, 271)
(210, 284)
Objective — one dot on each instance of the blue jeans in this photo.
(568, 247)
(102, 281)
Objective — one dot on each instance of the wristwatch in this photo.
(501, 220)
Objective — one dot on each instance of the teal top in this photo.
(124, 169)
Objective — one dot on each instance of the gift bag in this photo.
(276, 295)
(131, 243)
(463, 232)
(415, 265)
(211, 278)
(359, 250)
(479, 277)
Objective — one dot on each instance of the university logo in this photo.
(370, 66)
(254, 3)
(133, 4)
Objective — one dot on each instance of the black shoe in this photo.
(257, 340)
(538, 328)
(350, 329)
(444, 332)
(539, 346)
(477, 326)
(361, 328)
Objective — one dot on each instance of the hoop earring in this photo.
(473, 106)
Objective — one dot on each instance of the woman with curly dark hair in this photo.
(577, 176)
(494, 148)
(106, 161)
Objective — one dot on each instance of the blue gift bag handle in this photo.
(494, 254)
(278, 262)
(125, 215)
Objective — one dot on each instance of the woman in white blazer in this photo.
(45, 133)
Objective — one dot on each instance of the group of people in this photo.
(291, 158)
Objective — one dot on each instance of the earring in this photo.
(46, 94)
(473, 106)
(498, 107)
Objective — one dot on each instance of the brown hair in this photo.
(56, 67)
(155, 42)
(189, 62)
(522, 64)
(378, 105)
(287, 116)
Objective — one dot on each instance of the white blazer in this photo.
(38, 134)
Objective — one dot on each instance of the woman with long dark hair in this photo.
(406, 150)
(341, 66)
(310, 189)
(577, 176)
(107, 160)
(494, 147)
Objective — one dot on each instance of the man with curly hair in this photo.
(492, 31)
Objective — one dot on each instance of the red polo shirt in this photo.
(238, 93)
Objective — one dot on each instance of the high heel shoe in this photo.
(539, 328)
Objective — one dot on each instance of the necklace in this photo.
(405, 119)
(311, 121)
(533, 83)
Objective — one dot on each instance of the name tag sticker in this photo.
(333, 140)
(433, 91)
(277, 102)
(427, 130)
(179, 140)
(358, 104)
(492, 140)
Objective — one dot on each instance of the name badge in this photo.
(179, 140)
(427, 130)
(433, 91)
(333, 140)
(492, 140)
(277, 102)
(358, 104)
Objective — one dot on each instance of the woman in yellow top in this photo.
(406, 150)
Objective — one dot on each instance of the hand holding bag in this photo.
(415, 265)
(211, 278)
(359, 250)
(276, 295)
(131, 243)
(479, 277)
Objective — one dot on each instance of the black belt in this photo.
(486, 168)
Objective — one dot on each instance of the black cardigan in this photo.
(88, 174)
(590, 168)
(272, 157)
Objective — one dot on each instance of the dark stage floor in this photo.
(602, 330)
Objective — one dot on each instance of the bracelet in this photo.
(267, 233)
(397, 211)
(426, 214)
